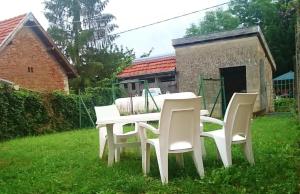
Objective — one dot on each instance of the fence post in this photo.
(87, 111)
(79, 106)
(113, 93)
(146, 95)
(297, 70)
(201, 91)
(223, 95)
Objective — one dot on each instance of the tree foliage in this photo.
(276, 19)
(214, 21)
(84, 33)
(77, 25)
(277, 22)
(101, 66)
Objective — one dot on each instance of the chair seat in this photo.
(182, 145)
(221, 134)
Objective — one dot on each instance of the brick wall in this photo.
(26, 62)
(206, 59)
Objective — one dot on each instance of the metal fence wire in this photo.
(284, 95)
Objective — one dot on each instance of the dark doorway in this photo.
(234, 81)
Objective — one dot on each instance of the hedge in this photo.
(24, 113)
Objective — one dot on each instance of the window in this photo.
(30, 69)
(133, 86)
(167, 79)
(125, 86)
(151, 80)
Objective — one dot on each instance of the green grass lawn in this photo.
(68, 163)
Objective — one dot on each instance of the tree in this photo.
(214, 21)
(147, 54)
(77, 25)
(277, 23)
(102, 65)
(84, 33)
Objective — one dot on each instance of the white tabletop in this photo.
(137, 118)
(131, 119)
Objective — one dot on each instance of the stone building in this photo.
(160, 72)
(241, 57)
(30, 58)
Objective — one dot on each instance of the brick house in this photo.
(30, 58)
(242, 57)
(160, 72)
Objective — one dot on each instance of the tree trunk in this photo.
(76, 30)
(297, 70)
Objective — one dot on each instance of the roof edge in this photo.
(251, 31)
(154, 58)
(30, 17)
(265, 46)
(147, 74)
(15, 31)
(74, 73)
(215, 36)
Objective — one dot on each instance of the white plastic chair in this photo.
(235, 127)
(179, 131)
(107, 112)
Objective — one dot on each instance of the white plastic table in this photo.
(123, 119)
(126, 119)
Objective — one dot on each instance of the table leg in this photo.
(111, 145)
(202, 141)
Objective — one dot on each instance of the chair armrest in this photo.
(100, 126)
(149, 127)
(205, 119)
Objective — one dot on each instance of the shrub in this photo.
(24, 113)
(284, 104)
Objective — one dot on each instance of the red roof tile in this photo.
(150, 66)
(8, 26)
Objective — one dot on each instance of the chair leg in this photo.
(139, 150)
(162, 160)
(145, 148)
(203, 147)
(147, 158)
(122, 140)
(180, 160)
(197, 157)
(248, 151)
(224, 151)
(102, 142)
(111, 145)
(117, 150)
(218, 154)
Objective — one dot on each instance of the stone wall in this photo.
(26, 62)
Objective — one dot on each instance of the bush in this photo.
(24, 113)
(284, 104)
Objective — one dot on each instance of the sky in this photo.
(131, 14)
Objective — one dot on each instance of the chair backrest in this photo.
(238, 114)
(108, 112)
(179, 122)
